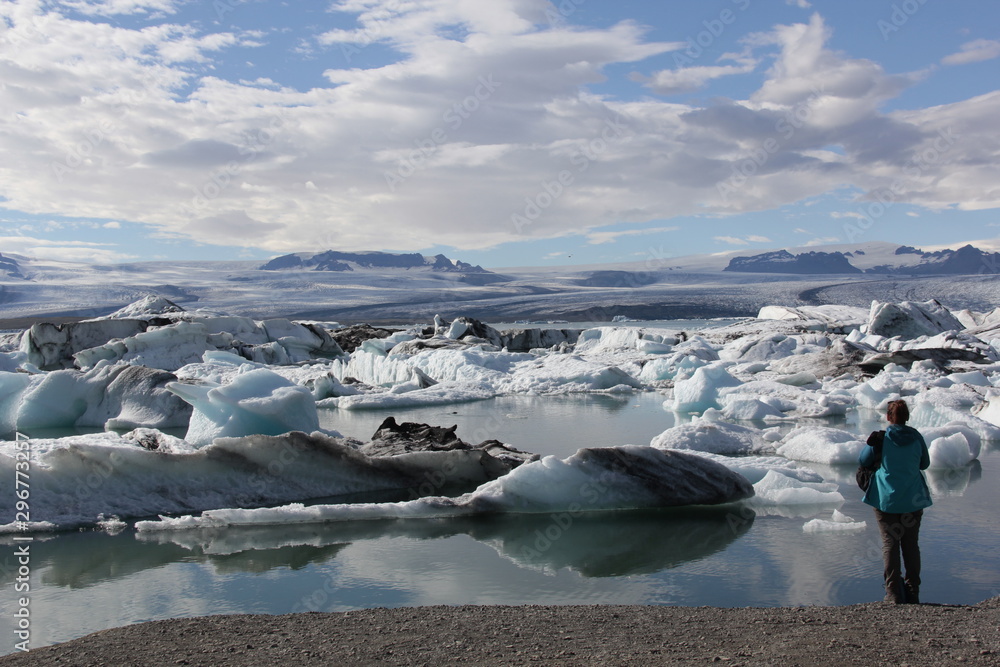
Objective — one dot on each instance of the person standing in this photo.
(899, 494)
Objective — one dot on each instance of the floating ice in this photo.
(77, 478)
(839, 522)
(780, 489)
(593, 479)
(714, 437)
(950, 451)
(910, 320)
(754, 468)
(821, 444)
(444, 393)
(111, 396)
(256, 402)
(701, 391)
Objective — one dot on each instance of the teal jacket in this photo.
(898, 486)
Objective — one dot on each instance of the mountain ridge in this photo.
(334, 260)
(966, 260)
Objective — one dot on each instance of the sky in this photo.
(501, 133)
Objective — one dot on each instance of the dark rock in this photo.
(350, 338)
(393, 439)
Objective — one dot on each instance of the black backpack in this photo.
(864, 475)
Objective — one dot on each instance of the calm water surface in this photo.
(87, 581)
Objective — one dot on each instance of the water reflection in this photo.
(600, 544)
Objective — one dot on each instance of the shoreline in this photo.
(861, 634)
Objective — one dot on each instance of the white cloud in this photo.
(974, 52)
(804, 4)
(825, 240)
(668, 82)
(483, 131)
(68, 251)
(745, 240)
(112, 225)
(600, 237)
(113, 7)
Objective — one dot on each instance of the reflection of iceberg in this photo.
(627, 543)
(953, 481)
(82, 559)
(594, 544)
(600, 478)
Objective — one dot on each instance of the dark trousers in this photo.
(899, 536)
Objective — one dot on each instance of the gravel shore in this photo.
(865, 634)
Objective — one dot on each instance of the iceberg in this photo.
(714, 437)
(77, 478)
(821, 444)
(701, 391)
(778, 489)
(256, 402)
(611, 478)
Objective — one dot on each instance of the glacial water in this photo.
(82, 582)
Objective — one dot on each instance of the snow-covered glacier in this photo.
(203, 412)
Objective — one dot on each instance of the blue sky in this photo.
(502, 133)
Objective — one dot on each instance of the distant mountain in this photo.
(909, 261)
(332, 260)
(9, 266)
(782, 261)
(967, 260)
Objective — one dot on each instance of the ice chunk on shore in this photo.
(256, 402)
(608, 478)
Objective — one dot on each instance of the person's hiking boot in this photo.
(895, 593)
(911, 594)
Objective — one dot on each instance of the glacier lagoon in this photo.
(89, 580)
(774, 553)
